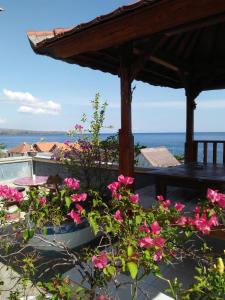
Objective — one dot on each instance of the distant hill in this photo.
(5, 131)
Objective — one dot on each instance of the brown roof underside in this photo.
(182, 40)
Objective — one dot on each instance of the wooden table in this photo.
(195, 175)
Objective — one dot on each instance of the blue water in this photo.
(173, 141)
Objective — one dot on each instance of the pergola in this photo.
(170, 43)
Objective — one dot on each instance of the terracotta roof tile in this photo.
(22, 148)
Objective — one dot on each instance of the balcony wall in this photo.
(46, 167)
(15, 167)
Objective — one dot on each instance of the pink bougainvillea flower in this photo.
(79, 197)
(72, 183)
(202, 224)
(10, 194)
(79, 208)
(165, 204)
(181, 221)
(114, 186)
(156, 229)
(78, 127)
(100, 261)
(197, 209)
(159, 242)
(157, 256)
(221, 201)
(213, 195)
(118, 216)
(134, 198)
(75, 216)
(146, 242)
(160, 198)
(42, 201)
(144, 228)
(126, 180)
(213, 221)
(179, 206)
(116, 195)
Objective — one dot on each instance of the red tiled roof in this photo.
(40, 37)
(22, 148)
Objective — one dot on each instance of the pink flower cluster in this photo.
(72, 183)
(79, 197)
(157, 242)
(75, 216)
(78, 127)
(216, 198)
(42, 201)
(123, 181)
(100, 261)
(10, 194)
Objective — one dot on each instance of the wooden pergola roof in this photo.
(171, 43)
(180, 38)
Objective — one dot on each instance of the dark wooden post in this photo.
(191, 94)
(126, 140)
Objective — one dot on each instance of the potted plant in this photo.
(52, 215)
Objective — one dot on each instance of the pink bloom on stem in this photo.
(160, 198)
(118, 216)
(166, 204)
(144, 228)
(156, 229)
(202, 224)
(221, 201)
(146, 242)
(213, 195)
(213, 221)
(78, 127)
(197, 209)
(72, 183)
(179, 206)
(134, 198)
(75, 216)
(79, 197)
(10, 194)
(114, 186)
(126, 180)
(42, 201)
(79, 208)
(159, 241)
(116, 195)
(181, 221)
(100, 261)
(157, 255)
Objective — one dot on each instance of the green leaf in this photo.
(138, 220)
(133, 269)
(68, 201)
(130, 251)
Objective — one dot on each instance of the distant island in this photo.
(6, 131)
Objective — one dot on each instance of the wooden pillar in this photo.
(191, 94)
(126, 140)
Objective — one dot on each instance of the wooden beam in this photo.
(147, 50)
(159, 17)
(126, 140)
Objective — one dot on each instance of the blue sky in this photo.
(40, 93)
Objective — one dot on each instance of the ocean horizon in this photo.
(174, 141)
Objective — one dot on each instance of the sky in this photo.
(40, 93)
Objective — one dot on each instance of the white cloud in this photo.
(2, 120)
(32, 105)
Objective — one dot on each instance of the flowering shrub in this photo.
(10, 194)
(131, 240)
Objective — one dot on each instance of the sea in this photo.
(173, 141)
